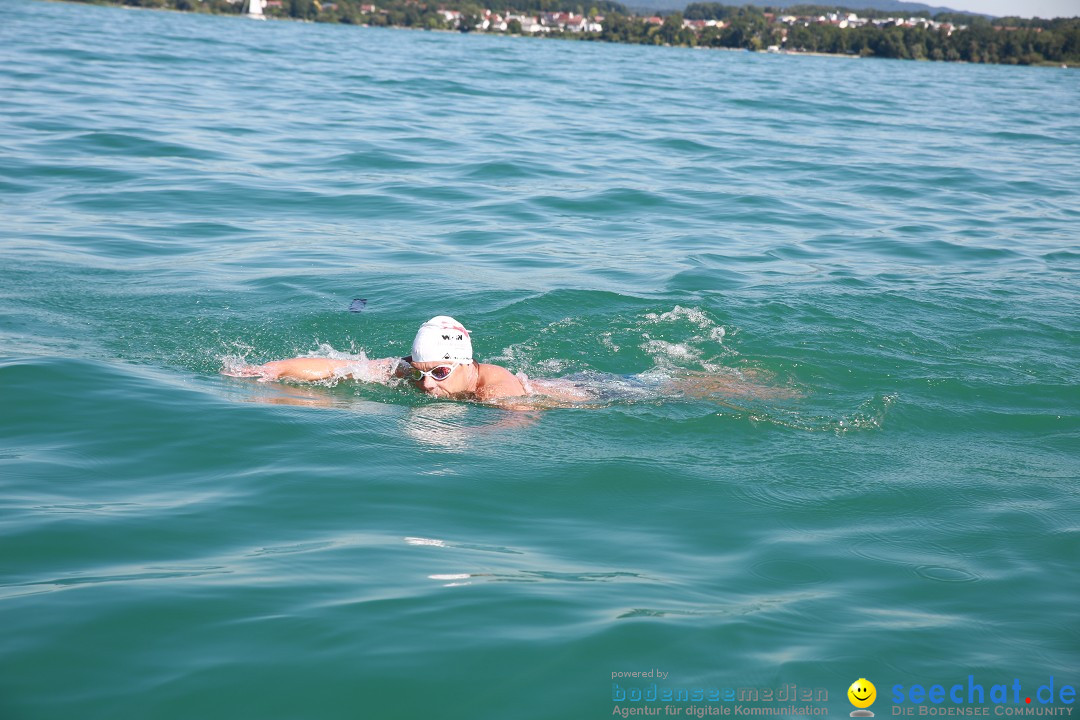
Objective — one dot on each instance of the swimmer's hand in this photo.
(315, 369)
(303, 369)
(241, 371)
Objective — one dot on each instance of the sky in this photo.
(1021, 8)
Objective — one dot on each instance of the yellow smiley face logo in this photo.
(862, 693)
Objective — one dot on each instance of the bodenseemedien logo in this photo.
(862, 695)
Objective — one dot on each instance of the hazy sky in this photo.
(1023, 8)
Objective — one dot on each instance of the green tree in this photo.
(669, 31)
(302, 9)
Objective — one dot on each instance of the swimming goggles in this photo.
(438, 373)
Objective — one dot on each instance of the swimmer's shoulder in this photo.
(498, 382)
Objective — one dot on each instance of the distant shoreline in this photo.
(653, 30)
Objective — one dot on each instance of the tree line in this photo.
(983, 40)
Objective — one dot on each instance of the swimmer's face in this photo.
(862, 693)
(456, 383)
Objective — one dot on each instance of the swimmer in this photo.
(441, 365)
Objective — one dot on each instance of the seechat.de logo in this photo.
(862, 695)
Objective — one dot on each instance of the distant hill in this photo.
(883, 5)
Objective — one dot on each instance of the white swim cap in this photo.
(442, 338)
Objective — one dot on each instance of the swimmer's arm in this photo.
(315, 369)
(492, 393)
